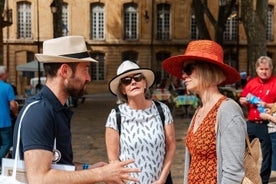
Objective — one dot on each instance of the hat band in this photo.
(204, 55)
(77, 55)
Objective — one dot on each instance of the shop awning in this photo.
(30, 67)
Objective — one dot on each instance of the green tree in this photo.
(201, 11)
(254, 18)
(57, 18)
(3, 23)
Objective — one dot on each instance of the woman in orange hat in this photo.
(215, 142)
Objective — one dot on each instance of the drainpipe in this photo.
(38, 48)
(7, 35)
(152, 33)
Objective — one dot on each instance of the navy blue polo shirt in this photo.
(43, 122)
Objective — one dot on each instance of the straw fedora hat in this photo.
(127, 68)
(205, 51)
(64, 50)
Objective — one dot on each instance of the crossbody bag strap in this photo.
(159, 108)
(118, 119)
(16, 158)
(161, 112)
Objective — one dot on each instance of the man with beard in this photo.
(45, 126)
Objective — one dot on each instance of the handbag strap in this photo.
(246, 139)
(248, 143)
(16, 158)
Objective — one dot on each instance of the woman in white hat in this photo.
(137, 131)
(215, 142)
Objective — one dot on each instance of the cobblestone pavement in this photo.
(88, 130)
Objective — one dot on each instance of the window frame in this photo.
(163, 21)
(98, 69)
(97, 21)
(130, 21)
(64, 17)
(24, 13)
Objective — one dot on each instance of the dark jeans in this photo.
(273, 141)
(260, 131)
(5, 141)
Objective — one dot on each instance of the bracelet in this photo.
(85, 166)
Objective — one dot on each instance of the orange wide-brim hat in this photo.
(205, 51)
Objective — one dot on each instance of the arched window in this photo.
(163, 21)
(97, 21)
(269, 30)
(160, 73)
(232, 25)
(64, 20)
(24, 21)
(97, 70)
(130, 21)
(193, 28)
(130, 55)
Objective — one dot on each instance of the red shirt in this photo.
(266, 91)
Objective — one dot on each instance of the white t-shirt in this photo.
(142, 139)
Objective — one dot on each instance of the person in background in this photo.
(215, 142)
(270, 115)
(263, 86)
(8, 106)
(47, 121)
(141, 133)
(243, 81)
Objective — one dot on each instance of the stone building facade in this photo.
(145, 31)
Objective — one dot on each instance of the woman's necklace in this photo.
(201, 114)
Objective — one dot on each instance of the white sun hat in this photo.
(127, 68)
(64, 49)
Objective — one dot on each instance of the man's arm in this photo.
(38, 166)
(14, 107)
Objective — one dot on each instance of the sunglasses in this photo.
(137, 78)
(189, 68)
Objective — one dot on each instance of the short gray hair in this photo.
(264, 60)
(3, 69)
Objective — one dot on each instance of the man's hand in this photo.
(116, 172)
(243, 101)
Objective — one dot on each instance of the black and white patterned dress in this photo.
(142, 139)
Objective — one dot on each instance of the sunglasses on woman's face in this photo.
(189, 68)
(137, 78)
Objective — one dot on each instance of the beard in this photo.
(75, 87)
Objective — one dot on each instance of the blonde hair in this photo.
(209, 74)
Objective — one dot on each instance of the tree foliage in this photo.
(2, 4)
(57, 19)
(202, 12)
(254, 19)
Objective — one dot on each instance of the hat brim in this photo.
(61, 59)
(114, 83)
(174, 65)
